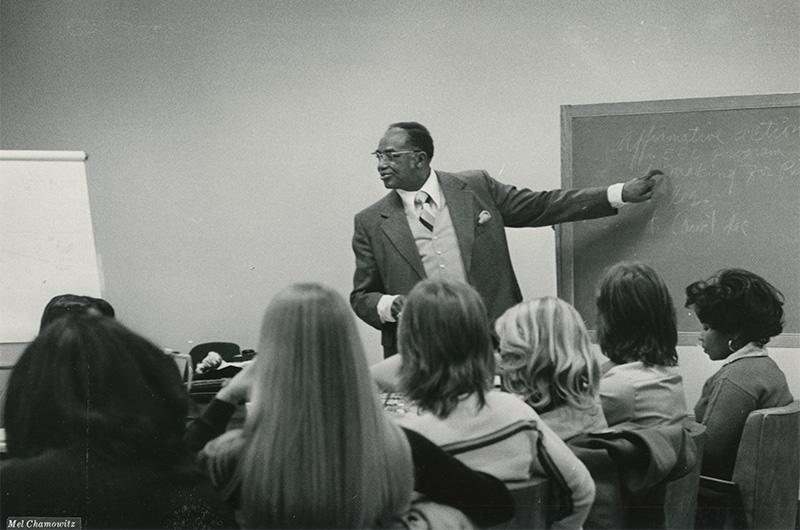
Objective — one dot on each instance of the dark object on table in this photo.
(229, 351)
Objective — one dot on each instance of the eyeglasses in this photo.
(391, 156)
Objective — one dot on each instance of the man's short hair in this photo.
(418, 136)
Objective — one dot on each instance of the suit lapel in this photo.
(461, 204)
(395, 226)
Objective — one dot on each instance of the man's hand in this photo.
(397, 306)
(640, 189)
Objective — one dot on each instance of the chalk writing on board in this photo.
(767, 131)
(637, 143)
(730, 195)
(709, 170)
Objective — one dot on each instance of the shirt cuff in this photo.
(385, 307)
(614, 194)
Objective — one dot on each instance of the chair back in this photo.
(183, 361)
(229, 351)
(5, 374)
(607, 510)
(680, 497)
(637, 475)
(767, 468)
(530, 504)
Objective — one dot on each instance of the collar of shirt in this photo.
(431, 187)
(749, 350)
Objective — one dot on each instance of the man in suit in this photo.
(452, 225)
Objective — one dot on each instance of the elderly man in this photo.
(434, 224)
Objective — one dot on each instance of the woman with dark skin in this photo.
(739, 312)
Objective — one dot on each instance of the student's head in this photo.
(545, 355)
(735, 307)
(320, 451)
(88, 380)
(72, 304)
(636, 317)
(404, 154)
(445, 344)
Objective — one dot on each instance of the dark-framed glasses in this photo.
(392, 156)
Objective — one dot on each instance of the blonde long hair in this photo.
(320, 452)
(545, 355)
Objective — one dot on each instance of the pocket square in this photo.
(484, 217)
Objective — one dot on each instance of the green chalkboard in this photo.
(730, 198)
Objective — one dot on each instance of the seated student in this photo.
(317, 450)
(74, 304)
(545, 357)
(739, 312)
(94, 425)
(447, 371)
(640, 386)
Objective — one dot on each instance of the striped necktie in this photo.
(425, 209)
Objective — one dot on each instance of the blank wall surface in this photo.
(229, 141)
(46, 238)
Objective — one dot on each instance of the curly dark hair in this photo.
(89, 380)
(738, 302)
(445, 344)
(74, 304)
(636, 316)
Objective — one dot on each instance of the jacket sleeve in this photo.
(443, 478)
(558, 463)
(210, 424)
(367, 282)
(523, 207)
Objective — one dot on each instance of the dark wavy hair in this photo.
(738, 302)
(89, 381)
(418, 136)
(636, 316)
(73, 304)
(444, 340)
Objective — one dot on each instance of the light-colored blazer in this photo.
(387, 260)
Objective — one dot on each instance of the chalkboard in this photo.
(730, 198)
(46, 237)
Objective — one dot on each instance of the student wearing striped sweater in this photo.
(447, 370)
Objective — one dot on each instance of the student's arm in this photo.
(558, 463)
(443, 478)
(210, 424)
(386, 373)
(724, 418)
(214, 419)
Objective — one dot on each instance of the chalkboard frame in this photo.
(564, 232)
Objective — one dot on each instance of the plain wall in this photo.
(229, 141)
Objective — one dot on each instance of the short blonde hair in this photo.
(545, 355)
(320, 452)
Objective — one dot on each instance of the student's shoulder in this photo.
(42, 468)
(510, 403)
